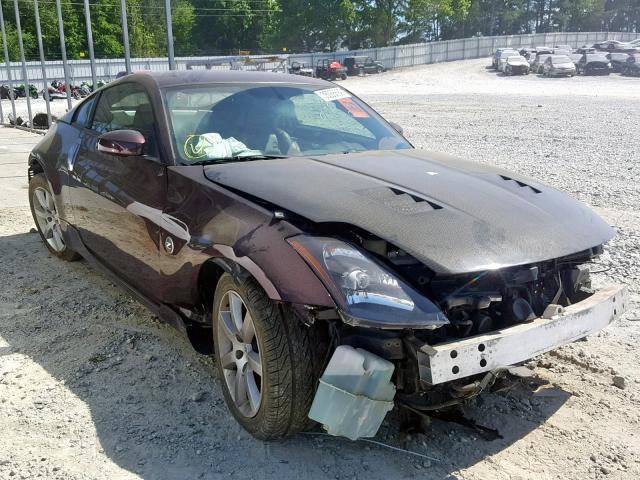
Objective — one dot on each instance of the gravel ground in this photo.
(92, 386)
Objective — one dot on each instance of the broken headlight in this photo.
(366, 293)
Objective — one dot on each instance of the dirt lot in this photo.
(92, 386)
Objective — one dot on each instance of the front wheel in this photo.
(265, 359)
(45, 215)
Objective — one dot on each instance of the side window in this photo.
(126, 107)
(81, 117)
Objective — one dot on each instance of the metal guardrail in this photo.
(400, 56)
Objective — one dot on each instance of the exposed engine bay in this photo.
(474, 304)
(481, 302)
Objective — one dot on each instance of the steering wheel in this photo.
(284, 141)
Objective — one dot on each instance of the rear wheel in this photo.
(265, 360)
(45, 214)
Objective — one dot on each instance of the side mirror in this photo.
(123, 143)
(397, 127)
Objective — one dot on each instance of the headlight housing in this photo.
(366, 293)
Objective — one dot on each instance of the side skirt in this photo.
(164, 312)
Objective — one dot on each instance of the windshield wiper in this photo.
(238, 158)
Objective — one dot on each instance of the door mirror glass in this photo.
(123, 143)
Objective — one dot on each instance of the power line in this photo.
(150, 7)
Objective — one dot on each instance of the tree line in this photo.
(212, 27)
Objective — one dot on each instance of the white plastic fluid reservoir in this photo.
(355, 393)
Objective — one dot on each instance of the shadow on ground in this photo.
(157, 411)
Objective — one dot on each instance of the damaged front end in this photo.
(446, 337)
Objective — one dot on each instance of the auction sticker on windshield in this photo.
(331, 94)
(353, 108)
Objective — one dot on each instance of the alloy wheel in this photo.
(239, 354)
(48, 219)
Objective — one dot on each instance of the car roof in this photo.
(203, 77)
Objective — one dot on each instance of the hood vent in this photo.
(520, 184)
(399, 200)
(415, 198)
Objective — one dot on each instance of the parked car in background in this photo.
(528, 53)
(538, 62)
(617, 60)
(561, 51)
(502, 59)
(575, 58)
(566, 48)
(611, 45)
(632, 66)
(362, 64)
(594, 64)
(516, 65)
(287, 229)
(585, 49)
(495, 60)
(558, 66)
(544, 49)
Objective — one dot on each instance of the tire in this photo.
(42, 204)
(34, 95)
(285, 354)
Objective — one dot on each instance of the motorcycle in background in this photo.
(8, 92)
(54, 92)
(21, 91)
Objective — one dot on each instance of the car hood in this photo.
(454, 216)
(518, 63)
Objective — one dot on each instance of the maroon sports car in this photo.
(333, 269)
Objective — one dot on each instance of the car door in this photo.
(118, 201)
(67, 145)
(369, 65)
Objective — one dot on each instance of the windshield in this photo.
(230, 121)
(561, 59)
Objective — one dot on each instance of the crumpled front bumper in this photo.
(450, 361)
